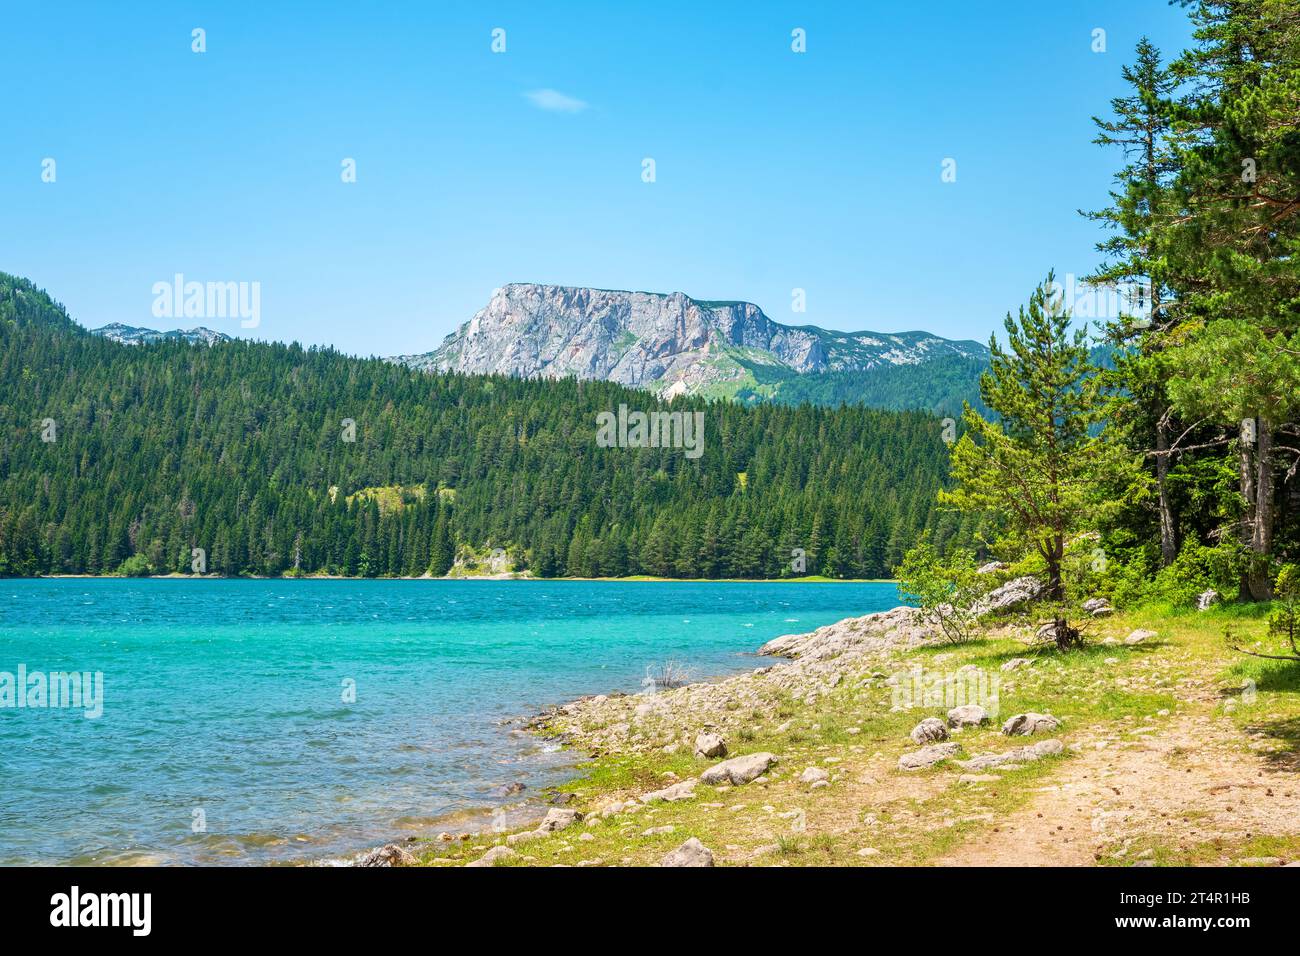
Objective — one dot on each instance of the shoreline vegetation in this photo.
(879, 743)
(509, 576)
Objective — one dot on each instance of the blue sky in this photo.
(774, 170)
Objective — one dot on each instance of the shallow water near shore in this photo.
(226, 703)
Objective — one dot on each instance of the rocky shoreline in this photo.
(682, 717)
(699, 717)
(820, 660)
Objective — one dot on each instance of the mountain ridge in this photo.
(138, 335)
(672, 343)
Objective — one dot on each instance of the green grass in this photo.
(1211, 853)
(915, 818)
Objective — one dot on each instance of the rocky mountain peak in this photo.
(669, 342)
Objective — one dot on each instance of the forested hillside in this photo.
(122, 459)
(939, 386)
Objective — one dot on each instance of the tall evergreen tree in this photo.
(1143, 127)
(1233, 260)
(1034, 469)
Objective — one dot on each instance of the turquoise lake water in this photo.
(223, 702)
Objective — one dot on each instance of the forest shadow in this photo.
(1286, 730)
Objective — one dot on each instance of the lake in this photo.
(254, 722)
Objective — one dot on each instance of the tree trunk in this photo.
(1259, 580)
(1257, 488)
(1246, 471)
(1168, 527)
(1055, 588)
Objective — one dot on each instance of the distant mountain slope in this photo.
(133, 335)
(939, 385)
(673, 344)
(263, 458)
(23, 305)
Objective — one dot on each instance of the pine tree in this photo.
(1144, 129)
(1034, 469)
(1233, 257)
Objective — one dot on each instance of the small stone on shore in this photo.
(967, 715)
(710, 746)
(388, 855)
(493, 856)
(1023, 725)
(558, 818)
(690, 853)
(929, 731)
(814, 775)
(739, 770)
(928, 756)
(678, 791)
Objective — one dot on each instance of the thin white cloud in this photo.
(555, 102)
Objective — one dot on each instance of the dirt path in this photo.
(1188, 781)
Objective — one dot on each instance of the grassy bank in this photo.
(1177, 750)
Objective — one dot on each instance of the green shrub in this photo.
(1284, 621)
(1197, 568)
(944, 590)
(136, 566)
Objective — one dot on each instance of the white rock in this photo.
(678, 791)
(1011, 759)
(494, 856)
(929, 731)
(1025, 724)
(1140, 635)
(559, 818)
(739, 770)
(1014, 663)
(1014, 593)
(1097, 607)
(388, 855)
(690, 853)
(928, 756)
(813, 775)
(968, 715)
(710, 746)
